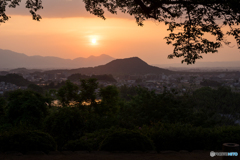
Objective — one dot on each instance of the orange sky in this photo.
(69, 36)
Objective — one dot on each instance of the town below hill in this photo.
(130, 72)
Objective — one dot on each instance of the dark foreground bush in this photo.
(178, 137)
(90, 141)
(126, 140)
(185, 137)
(65, 124)
(219, 135)
(113, 139)
(26, 107)
(78, 145)
(27, 141)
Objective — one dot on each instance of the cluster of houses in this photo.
(182, 82)
(159, 82)
(9, 87)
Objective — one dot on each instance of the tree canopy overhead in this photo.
(32, 5)
(188, 20)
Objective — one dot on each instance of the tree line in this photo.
(126, 118)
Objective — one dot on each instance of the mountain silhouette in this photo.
(127, 66)
(10, 59)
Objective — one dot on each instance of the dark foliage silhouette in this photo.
(202, 119)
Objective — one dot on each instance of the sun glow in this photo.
(94, 41)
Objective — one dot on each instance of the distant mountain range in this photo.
(10, 60)
(127, 66)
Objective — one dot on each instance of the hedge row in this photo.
(112, 140)
(186, 137)
(27, 141)
(159, 137)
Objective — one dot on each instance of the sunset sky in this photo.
(68, 31)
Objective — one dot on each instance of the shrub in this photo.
(5, 127)
(27, 141)
(113, 139)
(126, 140)
(90, 141)
(3, 103)
(65, 124)
(178, 137)
(219, 135)
(78, 145)
(186, 137)
(26, 107)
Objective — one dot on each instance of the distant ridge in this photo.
(127, 66)
(11, 60)
(220, 64)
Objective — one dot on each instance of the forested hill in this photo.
(14, 79)
(125, 66)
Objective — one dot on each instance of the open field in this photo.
(197, 155)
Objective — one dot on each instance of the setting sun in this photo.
(94, 41)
